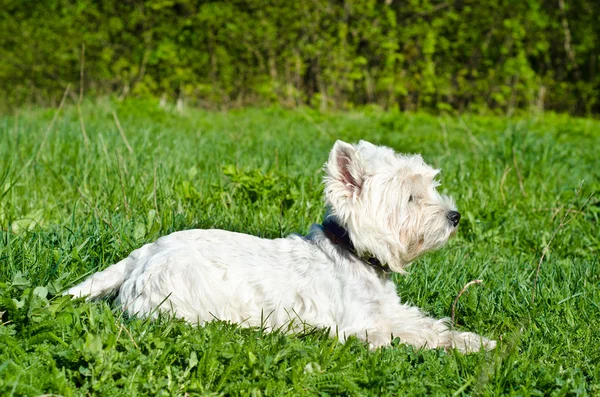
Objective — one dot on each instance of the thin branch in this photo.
(462, 291)
(119, 334)
(143, 65)
(122, 132)
(86, 140)
(580, 210)
(62, 102)
(553, 210)
(104, 149)
(562, 223)
(81, 73)
(432, 10)
(556, 211)
(6, 322)
(568, 39)
(130, 336)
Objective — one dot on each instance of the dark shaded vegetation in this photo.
(453, 56)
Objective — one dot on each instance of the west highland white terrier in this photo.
(383, 212)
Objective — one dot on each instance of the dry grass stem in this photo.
(122, 132)
(104, 148)
(86, 140)
(130, 336)
(45, 138)
(462, 291)
(470, 133)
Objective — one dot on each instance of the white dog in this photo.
(384, 211)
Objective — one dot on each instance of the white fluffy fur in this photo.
(389, 204)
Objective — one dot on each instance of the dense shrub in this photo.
(415, 54)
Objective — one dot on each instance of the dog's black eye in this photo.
(410, 198)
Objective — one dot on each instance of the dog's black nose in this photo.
(453, 217)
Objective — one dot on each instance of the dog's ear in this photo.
(365, 145)
(345, 169)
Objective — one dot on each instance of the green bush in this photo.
(416, 55)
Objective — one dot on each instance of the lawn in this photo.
(71, 205)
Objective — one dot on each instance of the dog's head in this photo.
(388, 202)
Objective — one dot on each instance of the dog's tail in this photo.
(103, 283)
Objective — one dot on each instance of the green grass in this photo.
(67, 210)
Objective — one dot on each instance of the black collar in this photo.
(340, 237)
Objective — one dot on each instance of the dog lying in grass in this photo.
(383, 212)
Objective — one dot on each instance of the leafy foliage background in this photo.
(452, 55)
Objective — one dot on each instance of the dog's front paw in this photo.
(468, 342)
(76, 292)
